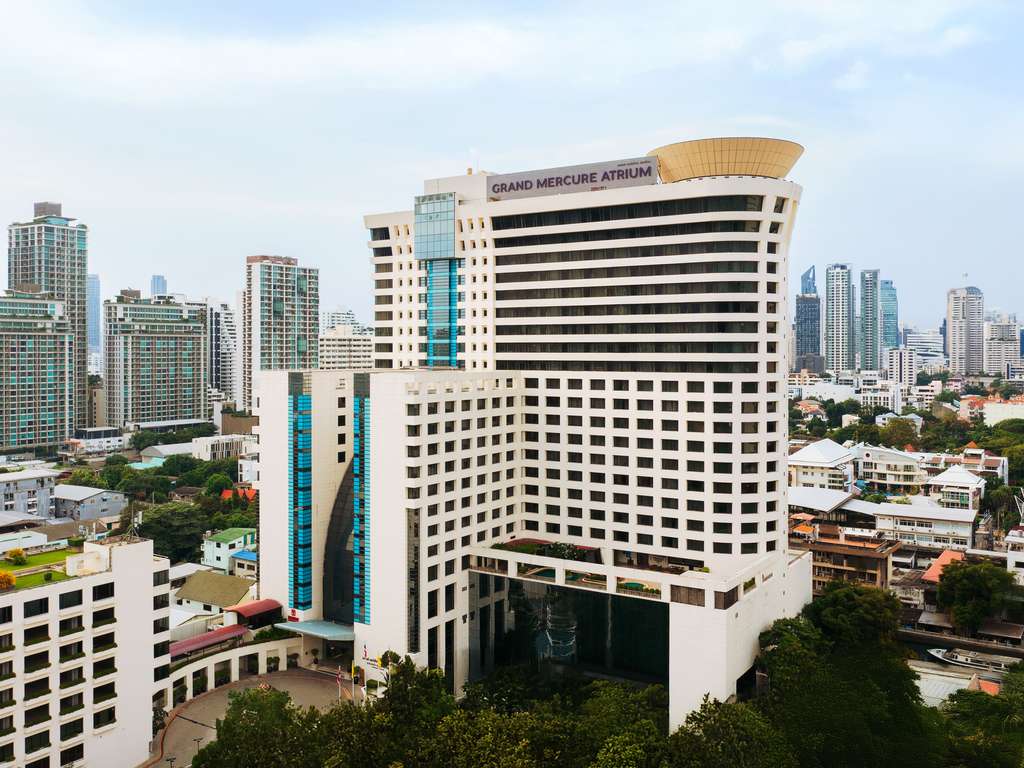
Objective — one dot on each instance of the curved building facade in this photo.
(579, 405)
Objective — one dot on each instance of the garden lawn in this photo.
(43, 558)
(35, 579)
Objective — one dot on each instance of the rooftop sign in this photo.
(633, 172)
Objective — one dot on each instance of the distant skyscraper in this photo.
(346, 347)
(890, 315)
(280, 318)
(329, 318)
(965, 313)
(870, 320)
(93, 313)
(902, 366)
(927, 345)
(157, 285)
(51, 252)
(1002, 345)
(36, 371)
(156, 360)
(807, 284)
(839, 318)
(807, 319)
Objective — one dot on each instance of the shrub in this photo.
(16, 556)
(48, 576)
(7, 580)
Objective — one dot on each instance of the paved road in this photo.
(198, 718)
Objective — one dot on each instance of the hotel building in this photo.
(37, 358)
(50, 254)
(578, 413)
(81, 656)
(280, 318)
(156, 359)
(965, 327)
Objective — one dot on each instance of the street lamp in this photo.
(197, 739)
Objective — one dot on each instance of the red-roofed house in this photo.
(934, 570)
(249, 494)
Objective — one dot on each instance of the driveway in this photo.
(197, 719)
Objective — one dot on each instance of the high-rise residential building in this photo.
(525, 449)
(280, 318)
(156, 360)
(346, 347)
(51, 253)
(158, 285)
(901, 366)
(839, 318)
(965, 313)
(224, 375)
(37, 370)
(84, 654)
(889, 309)
(870, 321)
(807, 317)
(1001, 346)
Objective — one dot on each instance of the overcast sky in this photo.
(188, 138)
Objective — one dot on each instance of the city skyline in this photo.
(872, 102)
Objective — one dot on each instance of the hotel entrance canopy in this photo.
(324, 630)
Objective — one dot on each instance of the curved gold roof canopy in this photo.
(732, 156)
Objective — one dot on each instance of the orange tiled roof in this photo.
(938, 564)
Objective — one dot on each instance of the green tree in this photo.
(866, 433)
(481, 739)
(263, 729)
(728, 736)
(217, 483)
(116, 459)
(176, 530)
(416, 698)
(1015, 457)
(974, 591)
(817, 427)
(898, 433)
(86, 477)
(180, 463)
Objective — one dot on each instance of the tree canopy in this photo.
(974, 592)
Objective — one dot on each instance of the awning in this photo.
(325, 630)
(933, 619)
(199, 642)
(255, 607)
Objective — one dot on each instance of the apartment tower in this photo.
(870, 321)
(37, 371)
(156, 360)
(280, 318)
(839, 318)
(965, 319)
(807, 317)
(890, 314)
(50, 253)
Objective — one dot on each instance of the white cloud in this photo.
(855, 78)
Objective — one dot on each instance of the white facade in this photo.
(280, 318)
(1002, 347)
(995, 411)
(965, 312)
(614, 343)
(224, 376)
(902, 367)
(929, 347)
(822, 464)
(28, 491)
(216, 447)
(924, 525)
(346, 348)
(1015, 553)
(86, 654)
(839, 332)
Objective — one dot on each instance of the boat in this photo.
(985, 662)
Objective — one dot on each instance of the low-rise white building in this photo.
(913, 418)
(923, 525)
(956, 488)
(216, 447)
(28, 491)
(218, 547)
(96, 440)
(888, 470)
(822, 464)
(1015, 552)
(81, 657)
(824, 390)
(80, 502)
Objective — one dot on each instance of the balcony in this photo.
(595, 581)
(636, 588)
